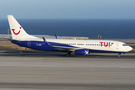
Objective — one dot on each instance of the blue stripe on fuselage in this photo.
(40, 45)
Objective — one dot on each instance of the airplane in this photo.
(71, 46)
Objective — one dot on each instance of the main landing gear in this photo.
(68, 53)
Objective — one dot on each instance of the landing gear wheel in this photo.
(118, 55)
(68, 54)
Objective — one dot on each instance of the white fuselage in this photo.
(101, 45)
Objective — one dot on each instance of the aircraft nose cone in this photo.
(130, 48)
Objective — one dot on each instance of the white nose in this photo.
(130, 48)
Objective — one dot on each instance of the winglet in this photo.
(56, 36)
(46, 42)
(44, 39)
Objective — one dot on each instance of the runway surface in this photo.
(55, 71)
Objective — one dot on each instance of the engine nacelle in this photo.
(82, 52)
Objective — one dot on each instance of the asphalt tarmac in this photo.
(31, 70)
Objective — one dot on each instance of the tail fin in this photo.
(16, 29)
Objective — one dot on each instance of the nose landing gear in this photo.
(120, 54)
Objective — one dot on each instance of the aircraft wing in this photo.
(66, 48)
(62, 47)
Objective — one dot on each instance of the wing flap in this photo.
(66, 48)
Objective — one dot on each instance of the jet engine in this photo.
(82, 52)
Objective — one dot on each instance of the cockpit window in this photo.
(124, 44)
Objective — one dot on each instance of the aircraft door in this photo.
(117, 46)
(29, 43)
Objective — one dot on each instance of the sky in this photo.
(68, 9)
